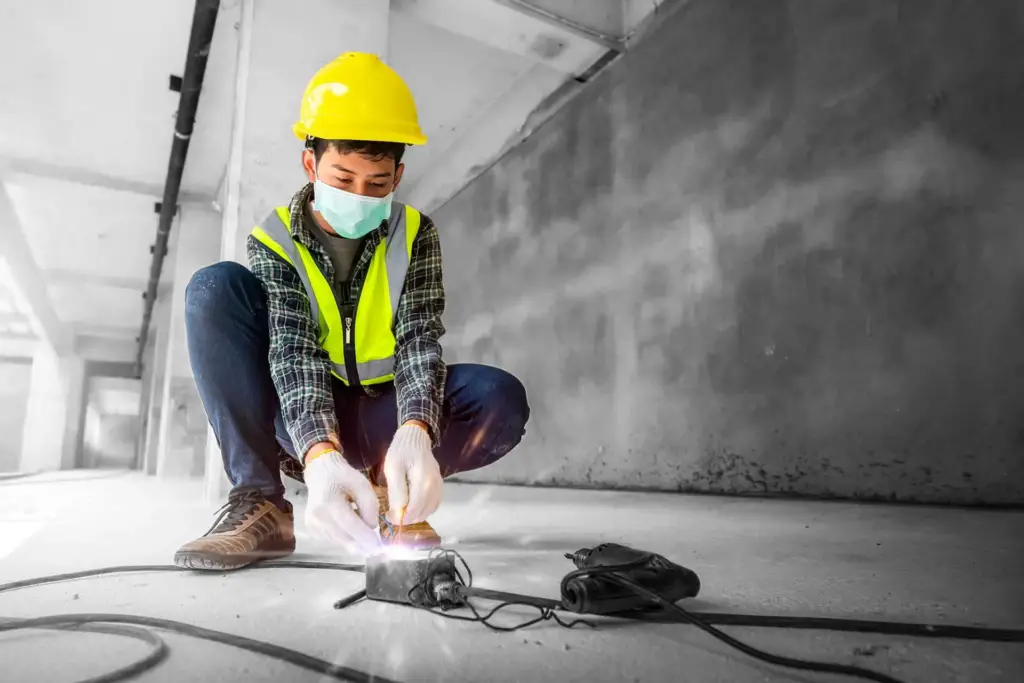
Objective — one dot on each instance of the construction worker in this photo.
(322, 360)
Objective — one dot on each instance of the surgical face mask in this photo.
(350, 215)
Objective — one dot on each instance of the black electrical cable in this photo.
(462, 590)
(612, 572)
(888, 628)
(321, 666)
(455, 596)
(159, 650)
(779, 660)
(498, 596)
(123, 569)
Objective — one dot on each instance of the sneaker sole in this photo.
(197, 559)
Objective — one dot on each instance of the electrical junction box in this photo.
(408, 581)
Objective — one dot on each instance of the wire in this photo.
(441, 560)
(611, 573)
(488, 594)
(894, 628)
(789, 662)
(122, 569)
(460, 591)
(321, 666)
(159, 650)
(889, 628)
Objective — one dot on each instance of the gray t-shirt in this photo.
(342, 252)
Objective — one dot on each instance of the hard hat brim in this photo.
(360, 133)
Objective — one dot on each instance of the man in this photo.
(323, 359)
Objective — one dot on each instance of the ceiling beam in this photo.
(105, 349)
(91, 178)
(114, 332)
(498, 25)
(25, 279)
(554, 20)
(504, 124)
(18, 349)
(106, 368)
(67, 276)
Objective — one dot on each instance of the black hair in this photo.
(370, 149)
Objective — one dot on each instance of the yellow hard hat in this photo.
(359, 97)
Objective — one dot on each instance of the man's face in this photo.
(353, 172)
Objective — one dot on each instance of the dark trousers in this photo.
(484, 413)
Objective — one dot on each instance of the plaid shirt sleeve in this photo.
(420, 373)
(299, 367)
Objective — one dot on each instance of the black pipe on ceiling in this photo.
(204, 20)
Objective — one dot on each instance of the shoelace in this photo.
(235, 510)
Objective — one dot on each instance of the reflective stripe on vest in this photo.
(378, 299)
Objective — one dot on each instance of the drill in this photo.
(594, 589)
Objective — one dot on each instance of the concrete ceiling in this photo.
(86, 128)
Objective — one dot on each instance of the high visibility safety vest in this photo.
(360, 343)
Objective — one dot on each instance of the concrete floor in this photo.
(762, 556)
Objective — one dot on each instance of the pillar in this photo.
(264, 163)
(52, 433)
(181, 434)
(155, 364)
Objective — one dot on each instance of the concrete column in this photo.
(264, 165)
(52, 433)
(73, 375)
(181, 438)
(15, 379)
(153, 377)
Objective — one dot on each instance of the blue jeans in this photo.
(483, 417)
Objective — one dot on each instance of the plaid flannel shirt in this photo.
(301, 369)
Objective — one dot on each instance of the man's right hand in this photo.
(333, 486)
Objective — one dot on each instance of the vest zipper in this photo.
(350, 347)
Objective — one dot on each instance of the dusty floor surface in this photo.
(760, 556)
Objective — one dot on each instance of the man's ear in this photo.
(309, 164)
(398, 176)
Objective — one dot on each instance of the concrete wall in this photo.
(776, 249)
(15, 377)
(110, 440)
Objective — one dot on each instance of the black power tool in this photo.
(600, 585)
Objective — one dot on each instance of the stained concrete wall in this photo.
(776, 249)
(15, 376)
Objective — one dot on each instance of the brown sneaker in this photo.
(249, 529)
(419, 535)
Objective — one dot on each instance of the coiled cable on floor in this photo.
(158, 649)
(315, 664)
(672, 613)
(93, 622)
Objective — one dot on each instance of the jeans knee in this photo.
(514, 399)
(216, 287)
(509, 407)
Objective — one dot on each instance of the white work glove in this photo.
(333, 486)
(413, 476)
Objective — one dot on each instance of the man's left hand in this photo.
(413, 475)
